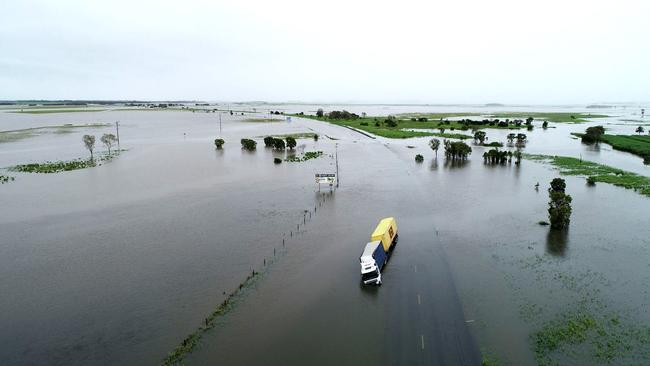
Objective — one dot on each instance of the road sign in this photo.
(326, 178)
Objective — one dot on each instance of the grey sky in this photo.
(510, 51)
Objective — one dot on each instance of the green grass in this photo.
(597, 172)
(635, 144)
(15, 135)
(49, 167)
(551, 117)
(384, 131)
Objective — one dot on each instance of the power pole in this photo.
(338, 178)
(219, 123)
(117, 128)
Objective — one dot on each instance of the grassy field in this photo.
(635, 144)
(551, 117)
(262, 120)
(401, 131)
(596, 172)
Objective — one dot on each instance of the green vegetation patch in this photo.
(63, 166)
(459, 136)
(552, 117)
(6, 179)
(300, 135)
(583, 336)
(635, 144)
(597, 172)
(306, 156)
(262, 120)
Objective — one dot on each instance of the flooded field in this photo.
(117, 264)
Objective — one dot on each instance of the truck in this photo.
(376, 253)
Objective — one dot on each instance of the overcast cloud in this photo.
(509, 51)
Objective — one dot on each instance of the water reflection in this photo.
(455, 163)
(434, 165)
(557, 242)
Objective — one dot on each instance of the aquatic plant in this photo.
(277, 160)
(6, 179)
(307, 156)
(419, 158)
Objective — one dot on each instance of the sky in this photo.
(498, 51)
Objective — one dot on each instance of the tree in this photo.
(441, 129)
(278, 144)
(559, 205)
(419, 158)
(434, 144)
(545, 125)
(108, 139)
(593, 134)
(529, 121)
(89, 141)
(511, 136)
(319, 112)
(248, 144)
(268, 141)
(315, 137)
(391, 121)
(456, 150)
(291, 142)
(219, 143)
(639, 130)
(479, 136)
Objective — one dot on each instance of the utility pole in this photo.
(117, 130)
(338, 178)
(219, 123)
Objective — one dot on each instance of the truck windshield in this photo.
(369, 275)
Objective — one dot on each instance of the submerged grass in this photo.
(300, 135)
(565, 117)
(307, 156)
(635, 144)
(603, 339)
(49, 167)
(596, 172)
(188, 344)
(262, 120)
(6, 179)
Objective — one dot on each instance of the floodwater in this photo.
(117, 264)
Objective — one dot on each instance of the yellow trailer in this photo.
(386, 231)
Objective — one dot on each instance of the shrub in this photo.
(363, 123)
(419, 158)
(391, 121)
(277, 160)
(268, 141)
(219, 143)
(315, 137)
(319, 112)
(278, 144)
(248, 144)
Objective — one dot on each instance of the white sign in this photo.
(327, 178)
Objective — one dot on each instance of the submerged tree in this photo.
(89, 142)
(545, 125)
(419, 158)
(559, 206)
(108, 139)
(268, 141)
(457, 150)
(479, 136)
(511, 137)
(319, 112)
(639, 130)
(593, 134)
(248, 144)
(219, 143)
(291, 142)
(434, 144)
(278, 144)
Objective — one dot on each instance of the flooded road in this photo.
(117, 264)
